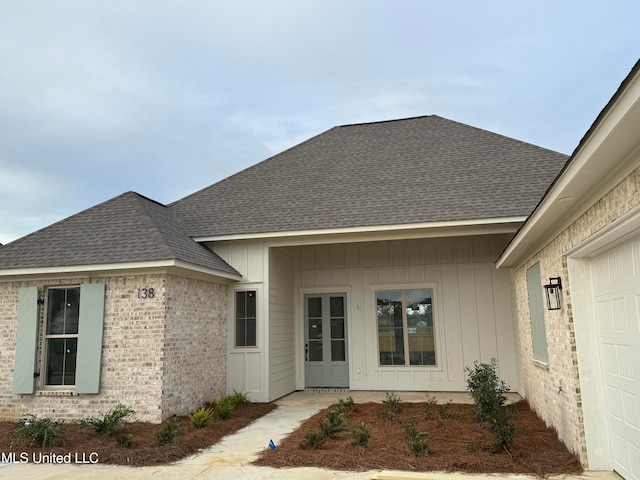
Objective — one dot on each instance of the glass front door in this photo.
(326, 360)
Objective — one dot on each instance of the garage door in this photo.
(616, 287)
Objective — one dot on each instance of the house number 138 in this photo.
(146, 293)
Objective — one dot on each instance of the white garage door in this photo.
(616, 287)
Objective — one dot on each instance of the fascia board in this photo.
(505, 224)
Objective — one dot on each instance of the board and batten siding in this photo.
(472, 304)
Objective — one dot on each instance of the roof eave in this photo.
(445, 228)
(115, 269)
(588, 175)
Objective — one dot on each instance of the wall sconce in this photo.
(553, 292)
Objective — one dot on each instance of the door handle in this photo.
(306, 352)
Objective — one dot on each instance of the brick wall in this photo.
(132, 357)
(195, 347)
(553, 390)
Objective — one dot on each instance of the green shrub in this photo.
(224, 407)
(488, 393)
(40, 431)
(415, 440)
(110, 421)
(344, 405)
(168, 431)
(124, 439)
(332, 423)
(312, 439)
(201, 417)
(360, 435)
(392, 406)
(239, 398)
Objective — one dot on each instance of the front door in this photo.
(325, 329)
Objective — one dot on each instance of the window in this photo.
(71, 339)
(405, 327)
(61, 339)
(246, 318)
(536, 313)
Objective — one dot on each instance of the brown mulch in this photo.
(457, 443)
(145, 449)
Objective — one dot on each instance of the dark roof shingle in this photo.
(127, 228)
(423, 169)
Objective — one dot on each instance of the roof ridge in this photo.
(388, 121)
(162, 242)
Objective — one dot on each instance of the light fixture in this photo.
(553, 292)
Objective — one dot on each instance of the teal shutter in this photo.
(536, 311)
(26, 341)
(90, 338)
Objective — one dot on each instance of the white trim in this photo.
(116, 267)
(505, 221)
(614, 233)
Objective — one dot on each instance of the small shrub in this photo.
(415, 440)
(431, 399)
(224, 407)
(40, 431)
(124, 439)
(488, 393)
(332, 423)
(239, 398)
(200, 418)
(392, 406)
(360, 435)
(110, 421)
(312, 439)
(168, 431)
(344, 405)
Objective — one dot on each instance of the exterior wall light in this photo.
(553, 293)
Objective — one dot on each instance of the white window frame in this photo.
(46, 337)
(234, 317)
(436, 336)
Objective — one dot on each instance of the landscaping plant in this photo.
(415, 440)
(488, 393)
(40, 431)
(201, 417)
(110, 421)
(168, 431)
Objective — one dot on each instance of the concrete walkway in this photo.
(231, 458)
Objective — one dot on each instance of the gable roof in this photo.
(414, 170)
(127, 228)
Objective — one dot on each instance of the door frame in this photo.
(299, 326)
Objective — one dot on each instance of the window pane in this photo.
(337, 328)
(61, 361)
(337, 307)
(63, 311)
(315, 350)
(246, 321)
(390, 328)
(315, 306)
(315, 328)
(338, 353)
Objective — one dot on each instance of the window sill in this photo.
(56, 393)
(540, 364)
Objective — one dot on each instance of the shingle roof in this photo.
(127, 228)
(424, 169)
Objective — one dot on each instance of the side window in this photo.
(536, 313)
(245, 318)
(405, 327)
(71, 339)
(61, 337)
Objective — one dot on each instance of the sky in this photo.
(165, 98)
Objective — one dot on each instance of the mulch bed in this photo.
(145, 449)
(456, 443)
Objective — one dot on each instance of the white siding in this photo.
(282, 371)
(472, 304)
